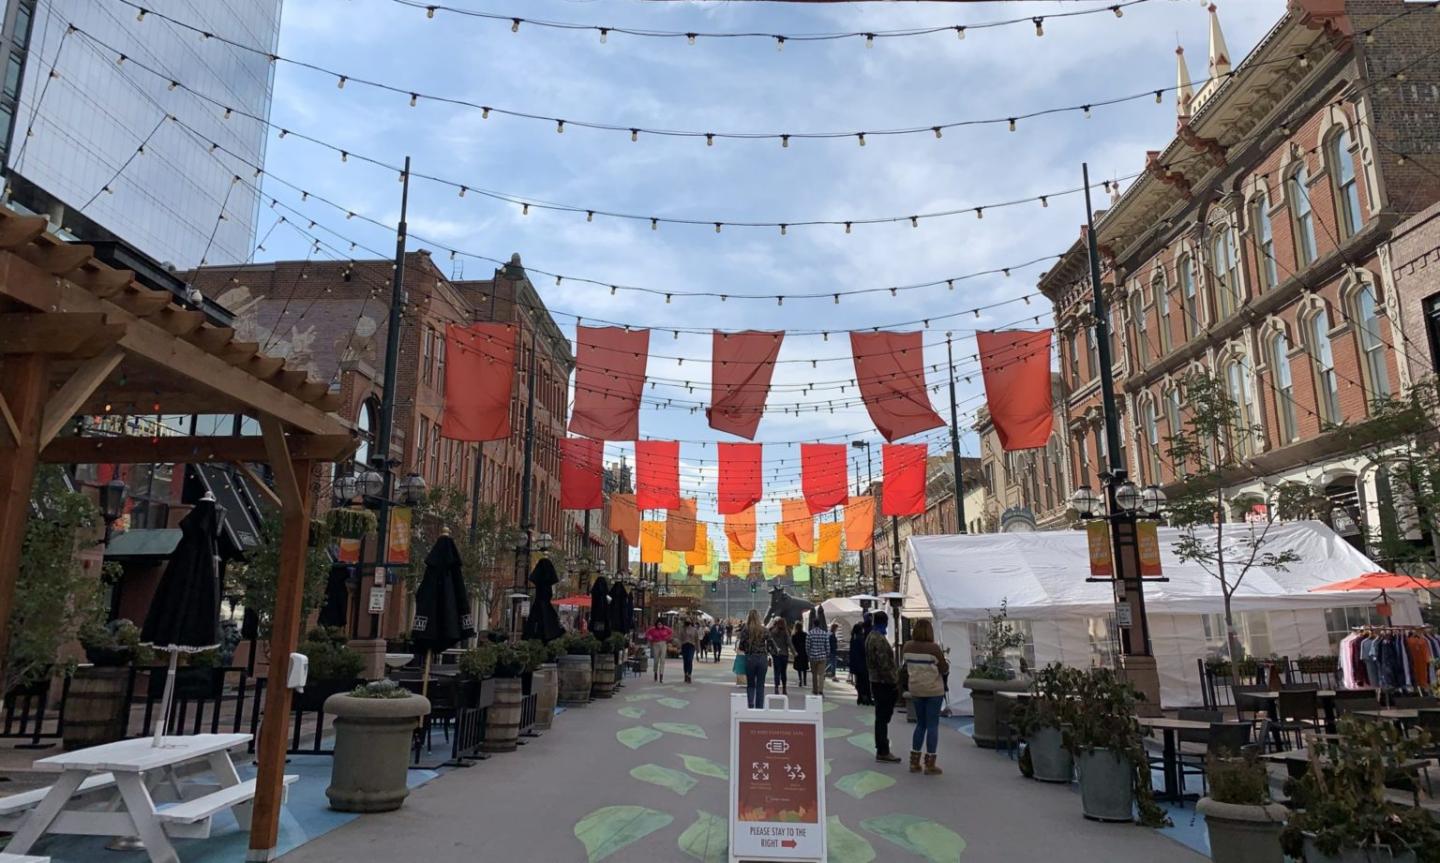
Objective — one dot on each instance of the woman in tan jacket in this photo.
(922, 677)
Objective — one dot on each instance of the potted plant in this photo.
(603, 683)
(1099, 729)
(502, 719)
(576, 668)
(1345, 815)
(545, 680)
(1323, 664)
(374, 728)
(334, 667)
(1244, 823)
(1037, 719)
(991, 674)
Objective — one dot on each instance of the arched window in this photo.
(1302, 215)
(1347, 193)
(1173, 419)
(1142, 335)
(1265, 242)
(1162, 308)
(1092, 350)
(365, 426)
(1152, 442)
(1284, 386)
(1237, 387)
(1372, 349)
(1225, 263)
(1189, 303)
(1073, 345)
(1327, 390)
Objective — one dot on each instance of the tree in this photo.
(258, 579)
(446, 509)
(1204, 453)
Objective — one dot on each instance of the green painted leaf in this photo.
(607, 830)
(831, 733)
(935, 842)
(866, 782)
(705, 767)
(844, 845)
(680, 783)
(684, 728)
(706, 839)
(631, 712)
(675, 703)
(637, 736)
(864, 740)
(829, 706)
(828, 763)
(644, 696)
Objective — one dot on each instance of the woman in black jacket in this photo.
(801, 658)
(857, 661)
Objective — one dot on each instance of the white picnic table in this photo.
(115, 783)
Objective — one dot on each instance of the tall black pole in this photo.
(475, 493)
(955, 443)
(585, 555)
(527, 524)
(870, 478)
(387, 400)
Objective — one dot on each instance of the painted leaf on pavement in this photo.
(706, 839)
(836, 732)
(684, 728)
(844, 845)
(680, 783)
(674, 703)
(864, 740)
(935, 842)
(631, 712)
(637, 736)
(829, 706)
(705, 767)
(607, 830)
(866, 782)
(644, 696)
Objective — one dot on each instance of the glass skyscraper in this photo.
(92, 142)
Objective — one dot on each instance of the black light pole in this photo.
(870, 480)
(955, 443)
(522, 561)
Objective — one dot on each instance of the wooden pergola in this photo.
(81, 338)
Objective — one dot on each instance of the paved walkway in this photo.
(641, 777)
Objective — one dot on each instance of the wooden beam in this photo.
(287, 485)
(290, 380)
(262, 366)
(259, 484)
(142, 303)
(101, 280)
(23, 387)
(179, 322)
(238, 353)
(330, 402)
(311, 390)
(8, 425)
(55, 257)
(212, 339)
(17, 230)
(55, 332)
(61, 407)
(189, 450)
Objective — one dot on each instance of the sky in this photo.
(738, 85)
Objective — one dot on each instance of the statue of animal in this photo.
(784, 605)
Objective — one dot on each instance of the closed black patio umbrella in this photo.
(442, 606)
(600, 608)
(337, 596)
(543, 621)
(620, 609)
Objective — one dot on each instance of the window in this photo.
(1327, 392)
(1225, 261)
(1073, 342)
(439, 359)
(1237, 387)
(1102, 447)
(1252, 628)
(1347, 193)
(422, 444)
(1265, 242)
(427, 355)
(1302, 214)
(1152, 442)
(1372, 350)
(1162, 306)
(1142, 338)
(1104, 638)
(1284, 386)
(1092, 351)
(1188, 301)
(1083, 448)
(1339, 621)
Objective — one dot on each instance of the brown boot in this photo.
(931, 768)
(886, 757)
(914, 762)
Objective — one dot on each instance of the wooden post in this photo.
(23, 384)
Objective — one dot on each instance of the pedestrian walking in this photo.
(729, 630)
(922, 677)
(883, 677)
(689, 644)
(780, 652)
(834, 649)
(658, 637)
(817, 650)
(802, 662)
(755, 647)
(858, 675)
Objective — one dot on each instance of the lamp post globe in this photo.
(1127, 496)
(413, 488)
(1152, 500)
(370, 483)
(113, 495)
(1083, 501)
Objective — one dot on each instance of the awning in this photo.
(143, 542)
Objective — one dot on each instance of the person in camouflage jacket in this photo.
(884, 684)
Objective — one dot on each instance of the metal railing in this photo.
(27, 715)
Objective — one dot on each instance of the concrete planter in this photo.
(1050, 761)
(989, 721)
(1356, 855)
(547, 694)
(1243, 833)
(1107, 791)
(372, 751)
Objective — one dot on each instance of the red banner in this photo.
(625, 518)
(890, 368)
(859, 523)
(740, 485)
(609, 378)
(580, 466)
(479, 381)
(797, 524)
(740, 531)
(1016, 367)
(823, 475)
(680, 533)
(904, 490)
(740, 368)
(657, 474)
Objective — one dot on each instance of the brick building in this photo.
(1251, 248)
(1413, 266)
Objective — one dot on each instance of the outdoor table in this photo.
(130, 763)
(1271, 698)
(1171, 757)
(1399, 715)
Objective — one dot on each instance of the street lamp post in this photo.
(870, 481)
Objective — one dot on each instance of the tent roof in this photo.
(1042, 574)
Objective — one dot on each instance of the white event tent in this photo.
(959, 580)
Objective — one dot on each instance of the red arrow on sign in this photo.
(787, 843)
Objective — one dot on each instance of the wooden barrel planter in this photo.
(575, 680)
(547, 690)
(95, 707)
(502, 719)
(604, 680)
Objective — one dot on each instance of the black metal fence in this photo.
(1218, 682)
(27, 715)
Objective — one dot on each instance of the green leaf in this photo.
(705, 767)
(637, 736)
(644, 696)
(844, 845)
(831, 733)
(864, 740)
(829, 706)
(935, 842)
(607, 830)
(866, 782)
(707, 839)
(631, 712)
(680, 783)
(683, 728)
(675, 703)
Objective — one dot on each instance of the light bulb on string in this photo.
(960, 33)
(869, 40)
(604, 35)
(654, 224)
(414, 97)
(1119, 13)
(525, 209)
(847, 227)
(690, 37)
(782, 229)
(785, 141)
(979, 212)
(1087, 111)
(463, 190)
(634, 135)
(514, 25)
(937, 132)
(779, 43)
(1158, 97)
(340, 84)
(484, 112)
(429, 11)
(709, 139)
(1012, 124)
(1039, 25)
(861, 137)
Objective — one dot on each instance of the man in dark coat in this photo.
(857, 660)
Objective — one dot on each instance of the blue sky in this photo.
(737, 85)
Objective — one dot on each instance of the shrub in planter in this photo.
(1345, 815)
(575, 668)
(334, 667)
(1243, 822)
(1099, 729)
(1037, 719)
(581, 644)
(114, 644)
(1318, 664)
(502, 719)
(374, 729)
(992, 673)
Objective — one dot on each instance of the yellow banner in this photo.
(1147, 537)
(1098, 534)
(399, 535)
(770, 567)
(673, 563)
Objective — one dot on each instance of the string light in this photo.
(340, 84)
(604, 35)
(1039, 25)
(861, 136)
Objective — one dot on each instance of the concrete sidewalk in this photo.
(642, 777)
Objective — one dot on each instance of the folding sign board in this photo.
(777, 782)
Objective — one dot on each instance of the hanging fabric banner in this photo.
(740, 485)
(740, 368)
(680, 526)
(1147, 538)
(1097, 537)
(809, 558)
(609, 379)
(673, 562)
(399, 535)
(769, 567)
(823, 476)
(904, 490)
(827, 548)
(479, 381)
(657, 474)
(699, 554)
(859, 523)
(1016, 368)
(740, 531)
(786, 554)
(580, 468)
(800, 574)
(797, 524)
(890, 368)
(625, 518)
(652, 542)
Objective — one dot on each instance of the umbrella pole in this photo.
(425, 675)
(164, 720)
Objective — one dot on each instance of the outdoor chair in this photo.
(1419, 702)
(1191, 743)
(1223, 740)
(1246, 703)
(1298, 711)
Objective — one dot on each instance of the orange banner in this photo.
(652, 542)
(827, 550)
(700, 554)
(740, 530)
(859, 523)
(786, 552)
(680, 526)
(797, 524)
(399, 535)
(349, 551)
(625, 518)
(1147, 537)
(1098, 534)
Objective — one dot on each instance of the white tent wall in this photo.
(1176, 640)
(955, 637)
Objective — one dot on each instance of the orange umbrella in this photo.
(1379, 581)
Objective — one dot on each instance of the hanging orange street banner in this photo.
(399, 535)
(1147, 537)
(1098, 533)
(652, 542)
(349, 550)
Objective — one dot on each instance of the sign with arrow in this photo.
(777, 795)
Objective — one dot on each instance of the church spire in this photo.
(1184, 93)
(1219, 54)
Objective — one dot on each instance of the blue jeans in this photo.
(755, 667)
(687, 658)
(927, 723)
